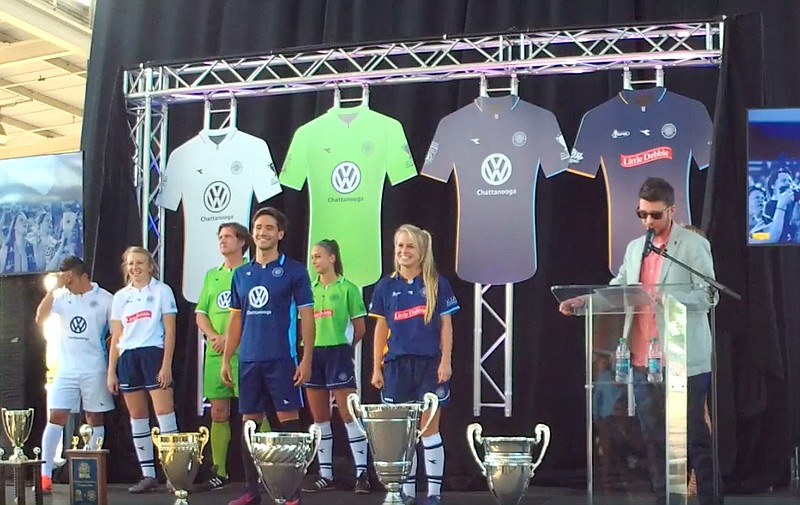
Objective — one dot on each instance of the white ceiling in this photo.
(44, 47)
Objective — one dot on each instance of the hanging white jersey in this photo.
(215, 175)
(84, 323)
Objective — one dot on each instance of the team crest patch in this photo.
(432, 150)
(668, 131)
(93, 304)
(423, 292)
(519, 139)
(342, 376)
(236, 167)
(334, 297)
(277, 272)
(368, 147)
(150, 299)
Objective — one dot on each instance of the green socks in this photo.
(220, 440)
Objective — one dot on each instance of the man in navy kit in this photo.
(266, 295)
(640, 134)
(496, 146)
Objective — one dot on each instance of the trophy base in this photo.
(393, 498)
(16, 471)
(181, 496)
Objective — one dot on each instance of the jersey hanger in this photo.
(513, 87)
(228, 121)
(363, 100)
(628, 82)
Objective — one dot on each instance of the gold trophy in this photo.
(181, 455)
(17, 425)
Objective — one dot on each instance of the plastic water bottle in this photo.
(654, 369)
(622, 368)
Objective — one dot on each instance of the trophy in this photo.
(88, 475)
(281, 458)
(508, 463)
(393, 435)
(181, 455)
(18, 424)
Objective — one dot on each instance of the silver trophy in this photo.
(508, 461)
(393, 435)
(282, 459)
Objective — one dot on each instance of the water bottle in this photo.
(622, 368)
(654, 369)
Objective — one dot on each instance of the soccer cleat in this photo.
(433, 500)
(145, 485)
(408, 500)
(47, 485)
(362, 484)
(212, 484)
(295, 500)
(247, 499)
(319, 484)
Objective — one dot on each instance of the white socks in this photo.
(358, 445)
(434, 463)
(325, 453)
(140, 432)
(167, 423)
(410, 485)
(52, 435)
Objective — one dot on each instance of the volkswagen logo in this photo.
(77, 324)
(258, 297)
(496, 169)
(224, 299)
(217, 196)
(346, 177)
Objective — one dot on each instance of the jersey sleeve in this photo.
(377, 307)
(203, 300)
(116, 307)
(168, 304)
(549, 145)
(588, 149)
(171, 190)
(236, 298)
(355, 302)
(295, 168)
(265, 183)
(58, 301)
(440, 159)
(301, 289)
(446, 301)
(702, 136)
(399, 161)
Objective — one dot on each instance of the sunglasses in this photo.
(656, 214)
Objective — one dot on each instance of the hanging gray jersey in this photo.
(495, 147)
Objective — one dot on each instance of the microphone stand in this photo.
(717, 287)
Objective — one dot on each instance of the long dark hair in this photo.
(332, 247)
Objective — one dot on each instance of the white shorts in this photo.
(67, 391)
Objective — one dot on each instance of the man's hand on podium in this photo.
(567, 307)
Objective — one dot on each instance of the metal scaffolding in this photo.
(150, 89)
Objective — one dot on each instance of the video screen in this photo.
(773, 187)
(41, 212)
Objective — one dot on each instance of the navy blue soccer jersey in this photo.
(403, 303)
(636, 135)
(268, 297)
(496, 146)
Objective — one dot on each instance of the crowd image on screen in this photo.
(36, 237)
(773, 194)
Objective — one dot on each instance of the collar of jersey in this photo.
(227, 133)
(397, 277)
(481, 100)
(626, 94)
(95, 289)
(149, 285)
(222, 266)
(281, 260)
(339, 280)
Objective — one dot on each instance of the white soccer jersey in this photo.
(215, 175)
(84, 326)
(141, 311)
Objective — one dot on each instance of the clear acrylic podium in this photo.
(636, 432)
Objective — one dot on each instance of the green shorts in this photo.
(213, 388)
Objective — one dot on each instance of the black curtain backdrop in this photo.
(758, 337)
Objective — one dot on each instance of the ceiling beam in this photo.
(49, 26)
(27, 127)
(41, 98)
(68, 67)
(28, 51)
(51, 146)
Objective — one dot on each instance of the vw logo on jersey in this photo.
(346, 177)
(224, 299)
(77, 324)
(217, 196)
(496, 169)
(258, 297)
(668, 131)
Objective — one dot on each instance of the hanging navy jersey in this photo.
(495, 147)
(636, 135)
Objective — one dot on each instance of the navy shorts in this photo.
(333, 368)
(406, 379)
(261, 380)
(138, 369)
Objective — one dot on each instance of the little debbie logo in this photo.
(645, 157)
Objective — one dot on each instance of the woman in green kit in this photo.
(339, 313)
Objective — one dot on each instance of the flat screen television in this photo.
(41, 212)
(773, 182)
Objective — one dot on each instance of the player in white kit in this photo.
(83, 309)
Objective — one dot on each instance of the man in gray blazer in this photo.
(656, 211)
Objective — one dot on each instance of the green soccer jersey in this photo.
(215, 300)
(335, 306)
(346, 154)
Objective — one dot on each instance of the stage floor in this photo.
(537, 495)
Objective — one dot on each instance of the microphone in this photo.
(648, 243)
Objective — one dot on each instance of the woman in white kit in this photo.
(143, 317)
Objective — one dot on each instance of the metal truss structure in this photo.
(151, 89)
